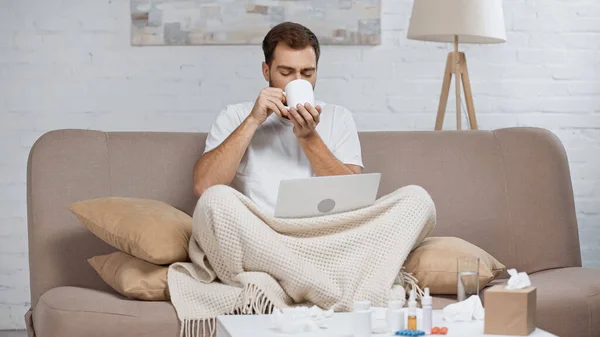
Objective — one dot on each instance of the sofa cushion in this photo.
(434, 264)
(73, 311)
(132, 277)
(151, 230)
(568, 301)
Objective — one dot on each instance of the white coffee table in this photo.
(341, 326)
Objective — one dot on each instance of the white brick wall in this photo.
(69, 64)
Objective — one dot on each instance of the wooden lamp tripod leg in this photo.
(457, 77)
(468, 93)
(439, 121)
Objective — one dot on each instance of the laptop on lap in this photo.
(301, 198)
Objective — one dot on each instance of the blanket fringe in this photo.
(253, 302)
(409, 282)
(198, 327)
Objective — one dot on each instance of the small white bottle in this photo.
(395, 316)
(362, 323)
(412, 311)
(427, 310)
(362, 319)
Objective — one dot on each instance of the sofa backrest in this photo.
(507, 191)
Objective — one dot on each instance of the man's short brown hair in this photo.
(294, 35)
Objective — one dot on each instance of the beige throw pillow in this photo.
(151, 230)
(434, 264)
(132, 277)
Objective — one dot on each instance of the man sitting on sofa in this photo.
(244, 260)
(252, 149)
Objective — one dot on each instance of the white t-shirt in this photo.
(274, 153)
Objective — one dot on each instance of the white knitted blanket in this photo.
(246, 262)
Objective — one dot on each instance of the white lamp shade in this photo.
(474, 21)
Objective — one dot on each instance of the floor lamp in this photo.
(464, 21)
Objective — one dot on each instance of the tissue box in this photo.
(510, 312)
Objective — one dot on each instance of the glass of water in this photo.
(467, 277)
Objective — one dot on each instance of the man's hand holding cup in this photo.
(303, 113)
(268, 101)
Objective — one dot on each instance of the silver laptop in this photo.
(299, 198)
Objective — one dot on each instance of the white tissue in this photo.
(467, 310)
(300, 319)
(517, 280)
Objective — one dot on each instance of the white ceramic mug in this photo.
(299, 92)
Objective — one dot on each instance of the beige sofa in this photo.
(507, 191)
